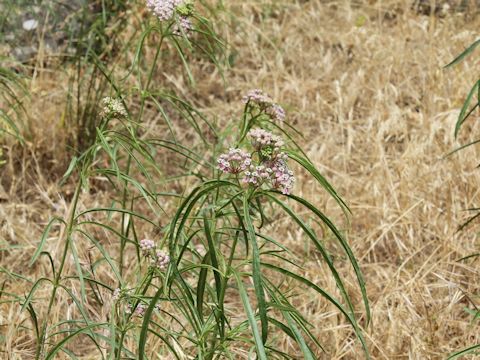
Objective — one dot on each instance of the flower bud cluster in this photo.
(183, 26)
(276, 112)
(157, 258)
(112, 107)
(262, 140)
(165, 10)
(265, 103)
(139, 310)
(132, 304)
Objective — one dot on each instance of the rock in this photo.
(30, 24)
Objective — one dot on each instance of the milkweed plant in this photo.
(208, 280)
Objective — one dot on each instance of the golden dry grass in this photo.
(363, 80)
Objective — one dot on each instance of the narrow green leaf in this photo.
(61, 343)
(307, 165)
(463, 116)
(251, 319)
(465, 53)
(464, 352)
(44, 239)
(256, 271)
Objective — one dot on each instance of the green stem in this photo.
(56, 282)
(118, 349)
(125, 226)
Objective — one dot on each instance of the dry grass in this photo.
(377, 111)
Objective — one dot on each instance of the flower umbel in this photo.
(139, 309)
(112, 107)
(276, 112)
(183, 26)
(257, 96)
(265, 103)
(161, 260)
(116, 294)
(163, 9)
(158, 258)
(282, 178)
(266, 165)
(146, 245)
(234, 162)
(266, 143)
(257, 174)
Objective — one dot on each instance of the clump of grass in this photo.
(212, 248)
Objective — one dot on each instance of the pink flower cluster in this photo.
(275, 172)
(271, 167)
(116, 294)
(235, 161)
(282, 176)
(112, 107)
(262, 139)
(162, 260)
(276, 112)
(257, 96)
(146, 245)
(265, 103)
(183, 26)
(163, 9)
(139, 310)
(158, 258)
(126, 298)
(257, 175)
